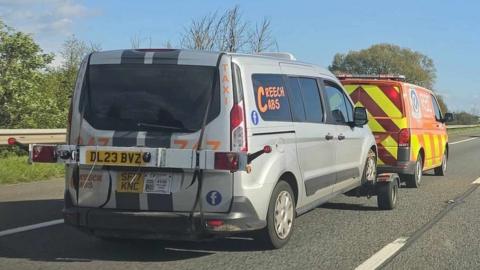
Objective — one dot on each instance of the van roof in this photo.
(187, 57)
(382, 81)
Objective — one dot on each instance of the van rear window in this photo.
(379, 100)
(137, 97)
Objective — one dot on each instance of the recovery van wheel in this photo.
(414, 180)
(387, 193)
(442, 169)
(280, 217)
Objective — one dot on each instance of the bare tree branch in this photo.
(261, 38)
(227, 32)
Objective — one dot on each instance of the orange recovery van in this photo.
(407, 122)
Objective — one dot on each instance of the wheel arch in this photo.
(290, 178)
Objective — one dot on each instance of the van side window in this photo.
(270, 97)
(436, 108)
(311, 100)
(340, 108)
(296, 100)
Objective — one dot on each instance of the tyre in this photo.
(442, 169)
(414, 180)
(280, 217)
(370, 171)
(387, 193)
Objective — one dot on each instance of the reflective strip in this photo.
(438, 153)
(374, 125)
(392, 147)
(428, 150)
(377, 94)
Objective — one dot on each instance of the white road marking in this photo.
(466, 140)
(477, 182)
(383, 254)
(31, 227)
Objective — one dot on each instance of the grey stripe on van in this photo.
(347, 174)
(158, 139)
(166, 57)
(124, 138)
(107, 57)
(160, 202)
(196, 58)
(314, 184)
(127, 201)
(133, 57)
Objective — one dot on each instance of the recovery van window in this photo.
(133, 97)
(436, 108)
(271, 97)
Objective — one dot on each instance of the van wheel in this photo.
(414, 180)
(387, 193)
(442, 169)
(370, 170)
(280, 217)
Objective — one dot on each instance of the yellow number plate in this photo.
(130, 182)
(114, 158)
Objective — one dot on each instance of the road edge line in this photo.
(30, 227)
(476, 182)
(383, 254)
(466, 140)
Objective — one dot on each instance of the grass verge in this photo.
(15, 169)
(463, 131)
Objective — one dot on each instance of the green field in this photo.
(15, 169)
(464, 131)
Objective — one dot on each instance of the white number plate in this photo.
(159, 183)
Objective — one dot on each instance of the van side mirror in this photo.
(448, 117)
(360, 117)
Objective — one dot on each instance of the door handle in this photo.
(341, 137)
(329, 137)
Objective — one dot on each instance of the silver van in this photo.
(179, 144)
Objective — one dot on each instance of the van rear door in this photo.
(385, 107)
(153, 98)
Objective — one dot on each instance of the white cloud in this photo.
(49, 21)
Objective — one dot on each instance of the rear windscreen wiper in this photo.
(165, 127)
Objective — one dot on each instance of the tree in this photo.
(234, 31)
(22, 65)
(204, 33)
(227, 32)
(60, 81)
(261, 38)
(387, 59)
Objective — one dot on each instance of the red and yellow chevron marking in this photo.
(433, 146)
(386, 119)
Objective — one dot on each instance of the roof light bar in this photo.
(393, 77)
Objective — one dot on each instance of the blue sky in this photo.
(447, 31)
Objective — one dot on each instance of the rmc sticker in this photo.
(415, 103)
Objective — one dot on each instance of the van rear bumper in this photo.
(163, 225)
(402, 167)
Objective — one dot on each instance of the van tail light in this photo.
(44, 153)
(226, 161)
(238, 129)
(215, 223)
(404, 137)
